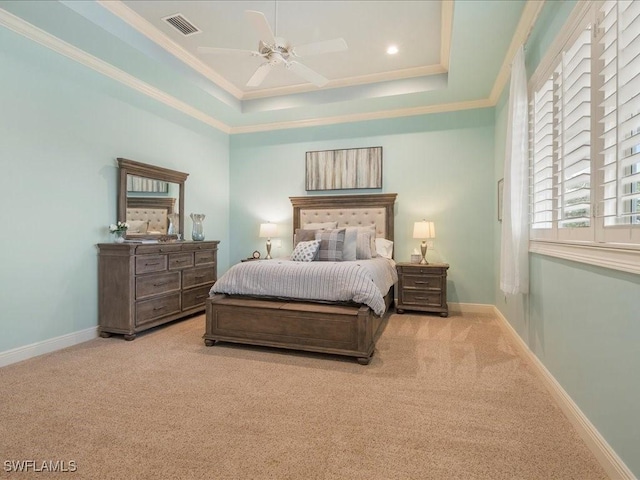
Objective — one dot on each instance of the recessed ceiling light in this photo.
(392, 50)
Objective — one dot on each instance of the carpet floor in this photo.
(442, 399)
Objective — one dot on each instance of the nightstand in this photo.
(422, 288)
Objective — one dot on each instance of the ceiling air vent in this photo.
(180, 23)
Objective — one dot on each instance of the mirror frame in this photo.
(130, 167)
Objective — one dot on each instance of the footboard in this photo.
(342, 330)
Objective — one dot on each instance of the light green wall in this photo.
(61, 129)
(440, 165)
(582, 322)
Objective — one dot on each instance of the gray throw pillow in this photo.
(331, 245)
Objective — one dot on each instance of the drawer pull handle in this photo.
(201, 296)
(199, 276)
(160, 284)
(159, 308)
(420, 282)
(152, 263)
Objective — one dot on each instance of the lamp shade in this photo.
(268, 230)
(424, 229)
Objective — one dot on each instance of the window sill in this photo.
(623, 258)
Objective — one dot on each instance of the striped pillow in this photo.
(331, 245)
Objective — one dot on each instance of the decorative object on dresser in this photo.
(197, 232)
(422, 288)
(344, 328)
(424, 230)
(150, 200)
(145, 285)
(119, 231)
(268, 230)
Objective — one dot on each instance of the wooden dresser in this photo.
(141, 286)
(422, 288)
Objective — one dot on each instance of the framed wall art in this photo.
(353, 168)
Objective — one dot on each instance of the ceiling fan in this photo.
(277, 51)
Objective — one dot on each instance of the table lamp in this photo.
(268, 230)
(424, 230)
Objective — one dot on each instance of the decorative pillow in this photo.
(384, 247)
(350, 244)
(331, 245)
(366, 247)
(320, 226)
(138, 226)
(303, 236)
(305, 251)
(363, 246)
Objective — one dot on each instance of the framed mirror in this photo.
(151, 200)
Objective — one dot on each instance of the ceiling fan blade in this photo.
(259, 75)
(308, 74)
(326, 46)
(228, 51)
(261, 26)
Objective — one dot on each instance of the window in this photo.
(585, 132)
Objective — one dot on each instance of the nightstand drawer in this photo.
(422, 281)
(421, 297)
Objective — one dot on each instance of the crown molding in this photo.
(359, 117)
(61, 47)
(445, 35)
(348, 82)
(525, 25)
(129, 16)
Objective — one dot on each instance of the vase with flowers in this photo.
(119, 231)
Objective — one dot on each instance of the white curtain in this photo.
(514, 251)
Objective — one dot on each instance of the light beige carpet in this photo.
(441, 399)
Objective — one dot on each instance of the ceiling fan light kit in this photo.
(276, 51)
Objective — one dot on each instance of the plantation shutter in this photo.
(572, 112)
(619, 92)
(541, 135)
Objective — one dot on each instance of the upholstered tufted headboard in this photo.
(347, 210)
(152, 210)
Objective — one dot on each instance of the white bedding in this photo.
(359, 281)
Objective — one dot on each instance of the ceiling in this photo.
(451, 55)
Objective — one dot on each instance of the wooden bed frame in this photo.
(350, 330)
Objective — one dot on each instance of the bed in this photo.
(343, 328)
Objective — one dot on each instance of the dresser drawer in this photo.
(150, 310)
(157, 248)
(180, 260)
(205, 256)
(198, 276)
(195, 297)
(422, 281)
(157, 284)
(151, 263)
(421, 297)
(199, 246)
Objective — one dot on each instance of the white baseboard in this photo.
(47, 346)
(610, 461)
(470, 308)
